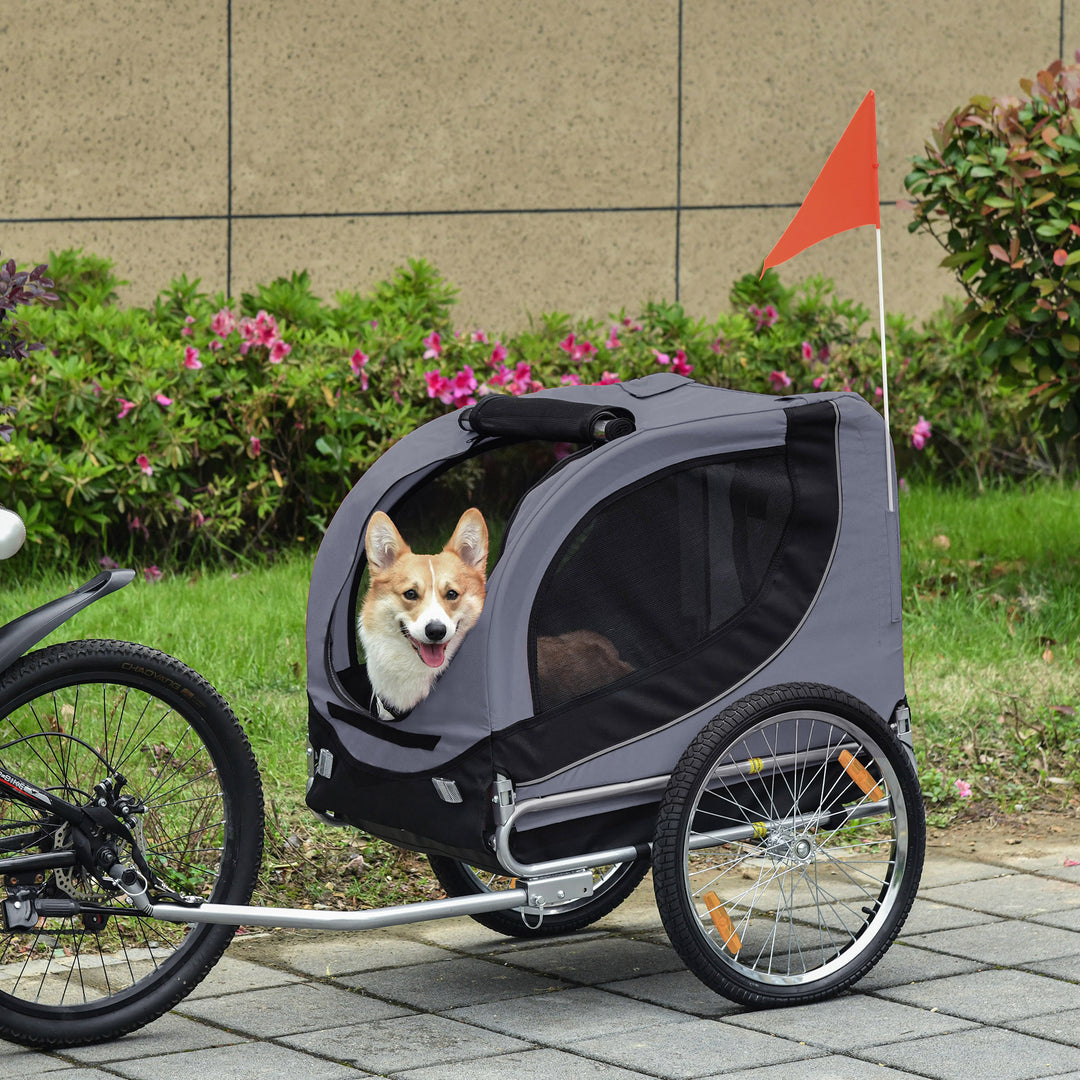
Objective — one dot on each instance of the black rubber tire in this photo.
(71, 715)
(806, 888)
(613, 884)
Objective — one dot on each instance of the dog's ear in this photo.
(470, 540)
(382, 542)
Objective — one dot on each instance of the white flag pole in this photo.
(889, 480)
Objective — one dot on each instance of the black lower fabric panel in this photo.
(405, 808)
(582, 835)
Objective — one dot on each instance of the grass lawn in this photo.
(992, 645)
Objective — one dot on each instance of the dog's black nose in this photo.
(435, 631)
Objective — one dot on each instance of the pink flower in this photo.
(163, 401)
(463, 385)
(498, 354)
(583, 350)
(434, 346)
(438, 386)
(764, 318)
(963, 789)
(125, 407)
(780, 380)
(265, 330)
(920, 433)
(717, 346)
(502, 376)
(357, 362)
(95, 388)
(108, 563)
(661, 357)
(256, 446)
(679, 365)
(567, 345)
(608, 378)
(1060, 257)
(144, 463)
(807, 351)
(187, 331)
(523, 382)
(152, 574)
(571, 379)
(478, 337)
(631, 324)
(278, 351)
(819, 382)
(191, 358)
(612, 338)
(223, 323)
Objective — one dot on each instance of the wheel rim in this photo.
(65, 741)
(795, 848)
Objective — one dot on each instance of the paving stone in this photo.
(168, 1034)
(1020, 896)
(410, 1042)
(285, 1010)
(850, 1021)
(832, 1067)
(1064, 967)
(1007, 943)
(904, 964)
(600, 960)
(528, 1065)
(944, 869)
(679, 990)
(228, 976)
(991, 997)
(1067, 920)
(450, 984)
(696, 1048)
(356, 952)
(566, 1016)
(1061, 1027)
(977, 1054)
(927, 916)
(242, 1061)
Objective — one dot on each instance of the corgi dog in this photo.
(418, 608)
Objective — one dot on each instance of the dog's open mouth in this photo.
(432, 654)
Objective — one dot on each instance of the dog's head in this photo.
(426, 601)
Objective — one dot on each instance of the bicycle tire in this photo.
(789, 846)
(70, 715)
(611, 886)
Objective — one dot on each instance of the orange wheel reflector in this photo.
(860, 776)
(722, 921)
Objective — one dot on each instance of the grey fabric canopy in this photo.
(723, 542)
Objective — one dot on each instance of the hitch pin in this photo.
(134, 884)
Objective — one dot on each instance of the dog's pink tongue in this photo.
(432, 655)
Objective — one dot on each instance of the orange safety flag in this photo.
(845, 194)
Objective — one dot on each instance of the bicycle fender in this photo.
(27, 630)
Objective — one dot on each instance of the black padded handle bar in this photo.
(546, 418)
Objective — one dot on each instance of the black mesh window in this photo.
(655, 570)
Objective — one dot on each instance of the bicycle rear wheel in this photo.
(71, 716)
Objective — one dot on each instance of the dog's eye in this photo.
(411, 594)
(451, 594)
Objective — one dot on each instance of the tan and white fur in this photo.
(418, 608)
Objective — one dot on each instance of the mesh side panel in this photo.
(656, 569)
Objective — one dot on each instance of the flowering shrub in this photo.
(999, 188)
(205, 428)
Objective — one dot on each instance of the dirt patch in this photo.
(997, 837)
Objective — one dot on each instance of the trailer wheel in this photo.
(611, 886)
(789, 846)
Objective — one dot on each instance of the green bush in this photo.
(199, 429)
(999, 188)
